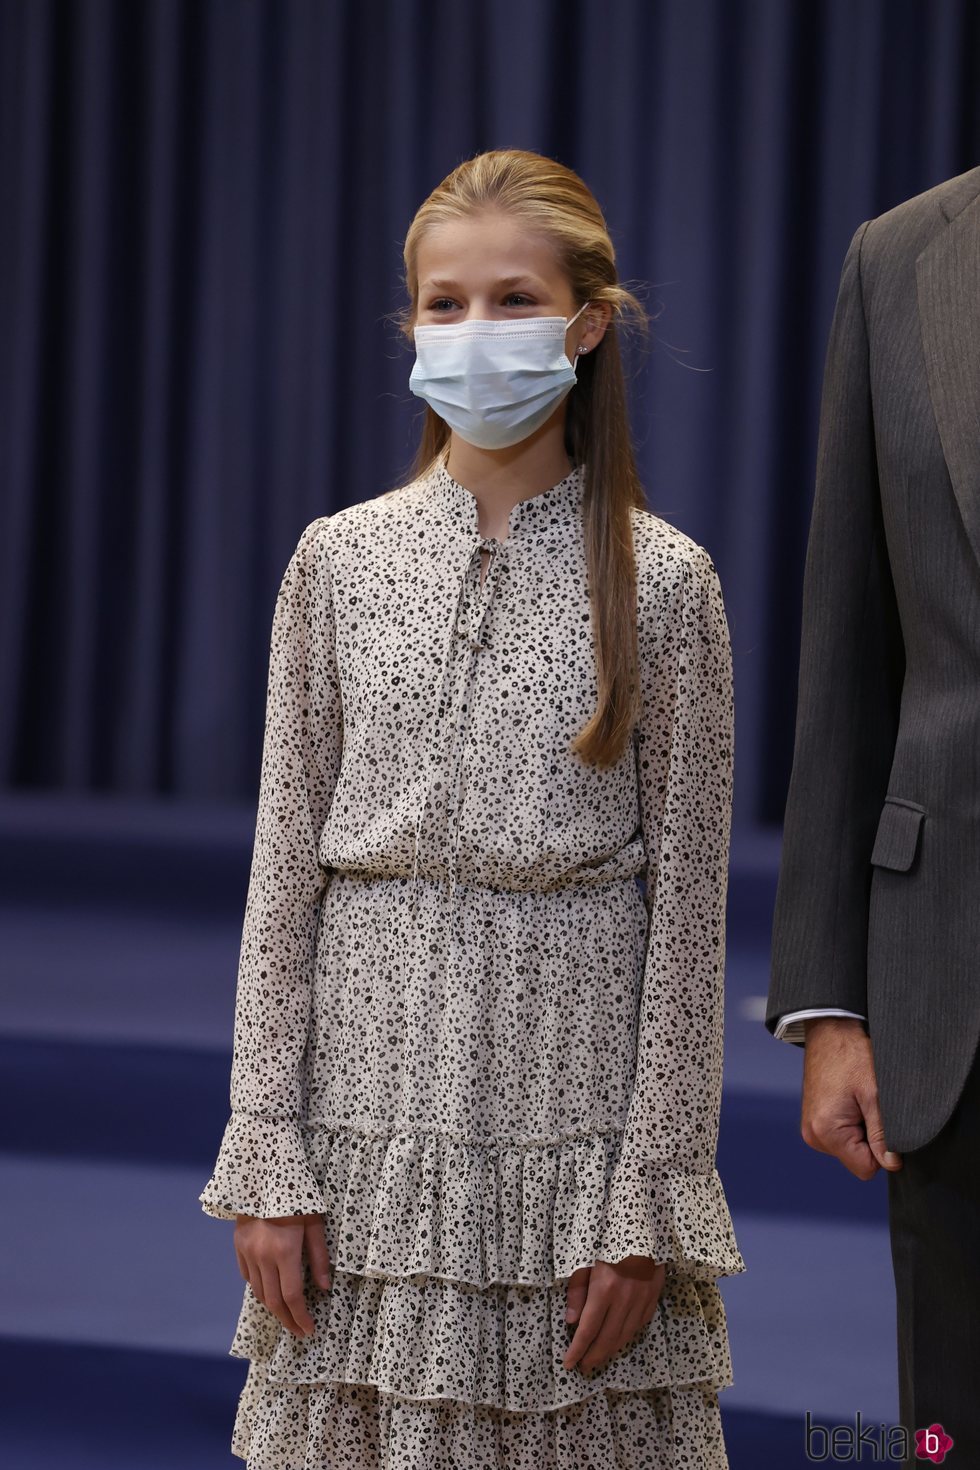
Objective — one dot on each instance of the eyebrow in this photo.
(442, 284)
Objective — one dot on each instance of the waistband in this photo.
(406, 881)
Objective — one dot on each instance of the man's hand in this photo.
(611, 1303)
(270, 1257)
(840, 1113)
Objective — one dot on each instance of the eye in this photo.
(448, 303)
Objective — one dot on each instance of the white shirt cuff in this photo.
(790, 1026)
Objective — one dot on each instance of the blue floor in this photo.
(119, 1296)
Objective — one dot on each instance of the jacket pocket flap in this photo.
(898, 835)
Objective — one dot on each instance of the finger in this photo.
(259, 1286)
(612, 1340)
(272, 1298)
(848, 1143)
(876, 1135)
(656, 1291)
(590, 1324)
(636, 1319)
(857, 1158)
(242, 1263)
(609, 1338)
(575, 1301)
(317, 1253)
(293, 1296)
(821, 1132)
(841, 1138)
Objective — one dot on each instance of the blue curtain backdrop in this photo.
(201, 213)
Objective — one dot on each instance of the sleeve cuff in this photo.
(677, 1217)
(790, 1026)
(261, 1170)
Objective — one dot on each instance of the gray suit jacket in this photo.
(878, 898)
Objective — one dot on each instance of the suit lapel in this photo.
(948, 286)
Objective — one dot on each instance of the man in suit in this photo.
(876, 930)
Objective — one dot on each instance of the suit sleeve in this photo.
(261, 1167)
(666, 1198)
(852, 664)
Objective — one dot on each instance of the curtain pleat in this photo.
(201, 217)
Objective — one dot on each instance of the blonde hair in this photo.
(555, 202)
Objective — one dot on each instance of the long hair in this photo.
(554, 201)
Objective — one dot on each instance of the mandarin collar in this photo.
(558, 506)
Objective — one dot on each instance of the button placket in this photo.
(475, 608)
(452, 703)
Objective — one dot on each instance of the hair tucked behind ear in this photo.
(555, 202)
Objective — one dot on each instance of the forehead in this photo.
(488, 249)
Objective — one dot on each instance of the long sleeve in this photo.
(261, 1167)
(789, 1027)
(666, 1198)
(852, 665)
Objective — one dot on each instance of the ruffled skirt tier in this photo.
(425, 1337)
(284, 1426)
(440, 1342)
(412, 1204)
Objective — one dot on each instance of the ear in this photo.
(596, 318)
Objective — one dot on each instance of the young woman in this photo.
(476, 1077)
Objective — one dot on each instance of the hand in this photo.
(270, 1257)
(840, 1113)
(610, 1302)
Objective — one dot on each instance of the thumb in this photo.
(876, 1138)
(317, 1253)
(576, 1293)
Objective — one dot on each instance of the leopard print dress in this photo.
(463, 1034)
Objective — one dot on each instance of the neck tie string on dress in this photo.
(440, 697)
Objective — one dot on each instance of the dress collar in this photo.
(556, 506)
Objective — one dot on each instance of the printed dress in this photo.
(463, 1034)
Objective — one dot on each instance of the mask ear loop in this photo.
(580, 350)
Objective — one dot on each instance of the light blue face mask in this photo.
(494, 382)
